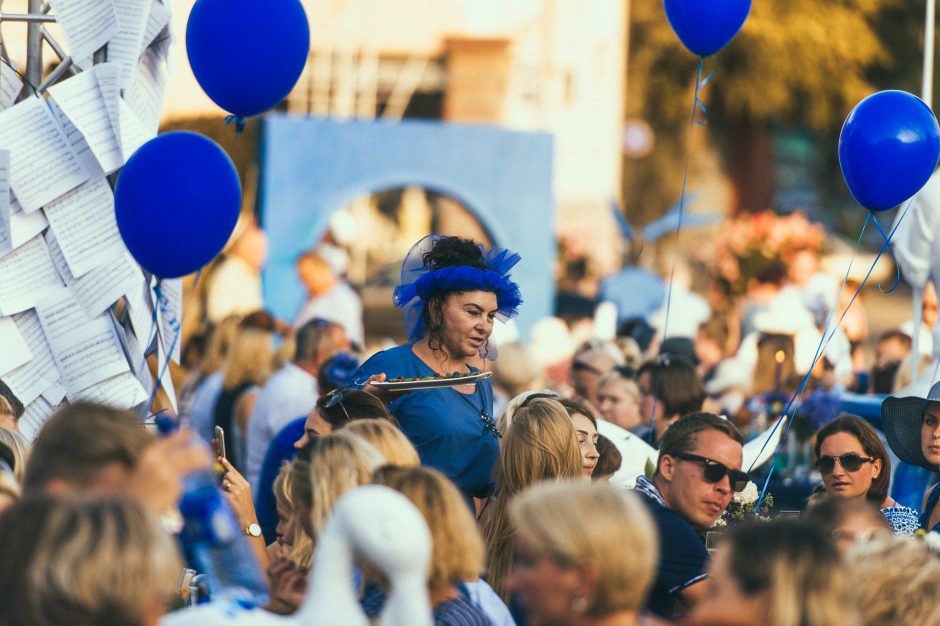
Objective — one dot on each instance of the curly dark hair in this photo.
(447, 252)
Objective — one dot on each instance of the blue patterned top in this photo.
(904, 520)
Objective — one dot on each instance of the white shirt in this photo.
(635, 452)
(202, 408)
(234, 289)
(290, 393)
(341, 305)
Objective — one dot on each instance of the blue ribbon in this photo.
(884, 237)
(239, 122)
(700, 83)
(175, 325)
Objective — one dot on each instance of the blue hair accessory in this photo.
(418, 283)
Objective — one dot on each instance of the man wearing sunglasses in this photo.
(698, 471)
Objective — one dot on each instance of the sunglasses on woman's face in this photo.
(715, 471)
(849, 461)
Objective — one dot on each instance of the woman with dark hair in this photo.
(855, 464)
(451, 293)
(670, 387)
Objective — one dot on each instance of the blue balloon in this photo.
(176, 201)
(888, 149)
(247, 55)
(705, 26)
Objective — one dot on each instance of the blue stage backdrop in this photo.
(313, 167)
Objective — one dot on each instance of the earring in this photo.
(579, 604)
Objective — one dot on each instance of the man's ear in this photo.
(667, 467)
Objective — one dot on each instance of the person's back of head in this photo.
(457, 547)
(609, 461)
(895, 580)
(342, 406)
(19, 449)
(674, 381)
(540, 444)
(797, 569)
(85, 448)
(84, 563)
(387, 439)
(316, 341)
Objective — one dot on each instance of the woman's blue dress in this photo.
(446, 427)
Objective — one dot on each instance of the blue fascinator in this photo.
(418, 283)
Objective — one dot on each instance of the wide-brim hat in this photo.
(901, 420)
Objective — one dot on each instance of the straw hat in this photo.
(901, 418)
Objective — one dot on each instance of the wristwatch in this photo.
(253, 530)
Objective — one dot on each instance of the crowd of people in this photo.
(583, 489)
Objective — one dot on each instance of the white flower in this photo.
(932, 539)
(748, 495)
(720, 522)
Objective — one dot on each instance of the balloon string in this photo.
(797, 396)
(827, 336)
(697, 104)
(884, 237)
(176, 327)
(239, 122)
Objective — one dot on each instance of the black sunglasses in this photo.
(715, 471)
(849, 461)
(332, 399)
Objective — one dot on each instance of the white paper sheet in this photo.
(124, 48)
(85, 226)
(145, 97)
(171, 316)
(43, 164)
(87, 351)
(157, 20)
(129, 130)
(10, 85)
(80, 99)
(14, 351)
(58, 258)
(36, 414)
(86, 158)
(26, 276)
(30, 380)
(25, 226)
(87, 24)
(123, 391)
(54, 394)
(6, 240)
(103, 286)
(140, 310)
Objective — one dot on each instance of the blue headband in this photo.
(419, 283)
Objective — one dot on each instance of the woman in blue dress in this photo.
(451, 294)
(855, 464)
(912, 428)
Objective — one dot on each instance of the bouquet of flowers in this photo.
(750, 243)
(744, 505)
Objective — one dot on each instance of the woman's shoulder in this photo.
(399, 356)
(903, 519)
(459, 611)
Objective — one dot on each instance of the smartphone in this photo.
(220, 442)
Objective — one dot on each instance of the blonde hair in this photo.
(540, 444)
(20, 448)
(250, 358)
(329, 467)
(613, 376)
(457, 547)
(83, 562)
(895, 581)
(301, 546)
(221, 338)
(387, 439)
(578, 523)
(8, 487)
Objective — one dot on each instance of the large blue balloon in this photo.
(247, 54)
(888, 149)
(705, 26)
(177, 200)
